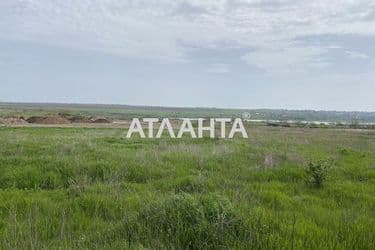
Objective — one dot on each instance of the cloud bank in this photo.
(289, 40)
(163, 29)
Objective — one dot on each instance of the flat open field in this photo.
(64, 188)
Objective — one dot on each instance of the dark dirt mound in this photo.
(100, 120)
(64, 119)
(48, 120)
(56, 120)
(79, 119)
(75, 118)
(35, 119)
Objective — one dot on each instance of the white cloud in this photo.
(287, 59)
(218, 68)
(159, 29)
(356, 55)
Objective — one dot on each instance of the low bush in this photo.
(317, 172)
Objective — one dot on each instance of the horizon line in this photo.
(174, 107)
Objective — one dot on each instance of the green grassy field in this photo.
(79, 188)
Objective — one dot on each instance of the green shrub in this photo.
(317, 172)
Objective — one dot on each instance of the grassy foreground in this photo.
(64, 188)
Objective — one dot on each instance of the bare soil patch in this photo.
(13, 121)
(100, 120)
(48, 120)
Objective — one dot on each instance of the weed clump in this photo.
(192, 223)
(317, 172)
(192, 184)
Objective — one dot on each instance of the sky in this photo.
(288, 54)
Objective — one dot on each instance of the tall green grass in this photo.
(77, 188)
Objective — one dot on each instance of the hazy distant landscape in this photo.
(128, 112)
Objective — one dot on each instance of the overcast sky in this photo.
(242, 53)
